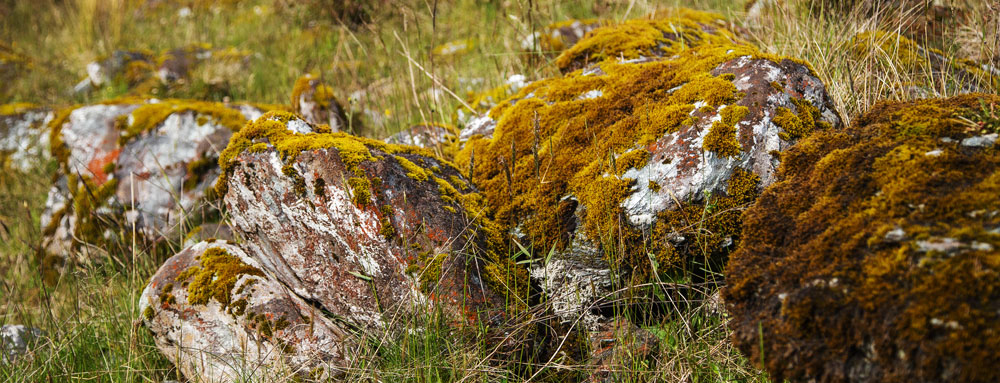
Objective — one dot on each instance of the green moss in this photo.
(148, 313)
(721, 137)
(215, 277)
(361, 190)
(16, 108)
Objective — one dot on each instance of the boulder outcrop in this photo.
(24, 141)
(640, 163)
(334, 227)
(136, 163)
(874, 257)
(218, 317)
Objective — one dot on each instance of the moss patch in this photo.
(215, 277)
(878, 239)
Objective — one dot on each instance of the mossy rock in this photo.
(645, 164)
(314, 100)
(196, 70)
(361, 227)
(213, 298)
(23, 137)
(559, 36)
(134, 168)
(874, 257)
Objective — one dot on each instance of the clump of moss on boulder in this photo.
(630, 161)
(876, 255)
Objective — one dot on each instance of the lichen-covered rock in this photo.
(145, 72)
(24, 142)
(137, 163)
(218, 317)
(874, 257)
(441, 139)
(648, 163)
(15, 340)
(314, 100)
(367, 230)
(559, 36)
(921, 65)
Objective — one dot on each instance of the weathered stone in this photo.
(643, 165)
(556, 37)
(145, 164)
(873, 260)
(367, 230)
(15, 340)
(315, 102)
(147, 72)
(218, 317)
(24, 141)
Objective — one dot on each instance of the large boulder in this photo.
(23, 139)
(218, 317)
(339, 232)
(874, 257)
(141, 164)
(365, 229)
(640, 164)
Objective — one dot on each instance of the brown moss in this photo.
(215, 277)
(838, 258)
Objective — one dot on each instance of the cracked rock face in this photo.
(259, 328)
(23, 139)
(366, 240)
(874, 256)
(153, 177)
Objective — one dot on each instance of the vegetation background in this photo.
(380, 56)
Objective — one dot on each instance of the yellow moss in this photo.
(412, 170)
(721, 137)
(361, 190)
(582, 146)
(149, 115)
(665, 34)
(215, 277)
(16, 108)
